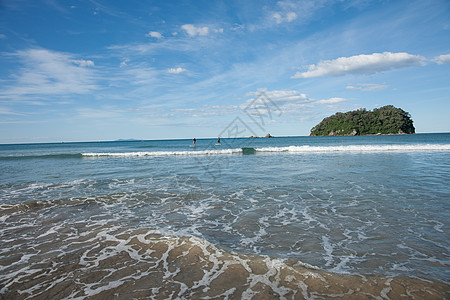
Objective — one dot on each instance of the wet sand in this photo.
(109, 263)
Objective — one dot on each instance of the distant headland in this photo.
(384, 120)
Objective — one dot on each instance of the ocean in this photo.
(266, 218)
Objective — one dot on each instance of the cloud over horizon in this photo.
(361, 64)
(164, 61)
(287, 101)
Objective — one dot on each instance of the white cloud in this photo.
(176, 70)
(46, 72)
(290, 10)
(366, 87)
(362, 64)
(194, 31)
(333, 100)
(278, 18)
(102, 113)
(280, 95)
(155, 34)
(288, 17)
(7, 111)
(442, 59)
(124, 62)
(84, 63)
(237, 27)
(206, 111)
(291, 16)
(141, 75)
(273, 103)
(285, 102)
(2, 36)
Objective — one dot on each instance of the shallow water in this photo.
(299, 218)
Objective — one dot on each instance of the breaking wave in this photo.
(288, 149)
(245, 151)
(358, 148)
(165, 153)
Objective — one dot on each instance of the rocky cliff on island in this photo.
(384, 120)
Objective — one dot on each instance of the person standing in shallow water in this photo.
(218, 140)
(194, 143)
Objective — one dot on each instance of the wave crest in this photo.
(287, 149)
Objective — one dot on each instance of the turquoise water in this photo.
(372, 205)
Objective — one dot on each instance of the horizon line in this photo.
(176, 139)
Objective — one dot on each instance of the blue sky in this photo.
(104, 70)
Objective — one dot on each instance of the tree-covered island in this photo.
(384, 120)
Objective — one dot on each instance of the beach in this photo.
(295, 218)
(139, 265)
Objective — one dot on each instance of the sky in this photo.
(101, 70)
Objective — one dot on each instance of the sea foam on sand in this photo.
(109, 262)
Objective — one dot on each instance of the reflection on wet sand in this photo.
(108, 263)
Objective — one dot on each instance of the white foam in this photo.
(438, 226)
(270, 278)
(287, 149)
(329, 248)
(50, 231)
(342, 267)
(384, 292)
(163, 153)
(358, 148)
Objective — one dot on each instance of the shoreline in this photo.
(152, 265)
(223, 227)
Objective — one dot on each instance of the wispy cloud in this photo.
(47, 72)
(7, 111)
(176, 70)
(124, 62)
(367, 87)
(140, 75)
(100, 113)
(362, 64)
(192, 30)
(288, 17)
(83, 63)
(289, 11)
(442, 59)
(332, 100)
(280, 96)
(207, 111)
(289, 101)
(155, 34)
(176, 44)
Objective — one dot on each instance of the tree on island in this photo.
(384, 120)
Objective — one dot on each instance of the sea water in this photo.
(292, 217)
